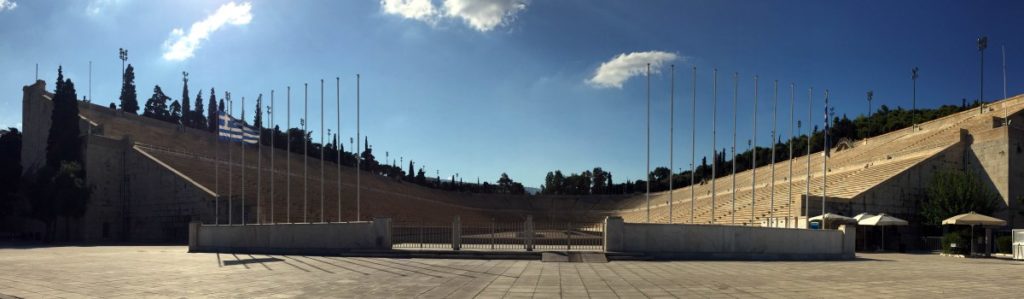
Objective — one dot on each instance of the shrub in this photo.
(962, 246)
(1003, 244)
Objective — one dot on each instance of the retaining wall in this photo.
(300, 238)
(711, 242)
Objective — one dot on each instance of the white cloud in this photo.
(181, 45)
(484, 15)
(421, 10)
(481, 15)
(614, 72)
(98, 7)
(8, 5)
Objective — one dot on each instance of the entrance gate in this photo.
(498, 235)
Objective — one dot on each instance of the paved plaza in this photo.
(169, 271)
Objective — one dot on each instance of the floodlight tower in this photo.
(123, 54)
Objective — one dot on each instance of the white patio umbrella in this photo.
(861, 216)
(833, 218)
(973, 219)
(882, 220)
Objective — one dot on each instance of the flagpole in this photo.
(824, 164)
(671, 141)
(789, 200)
(693, 143)
(259, 161)
(771, 199)
(273, 150)
(735, 97)
(322, 148)
(753, 164)
(714, 141)
(305, 154)
(216, 169)
(807, 193)
(231, 131)
(288, 158)
(648, 173)
(337, 142)
(358, 158)
(243, 160)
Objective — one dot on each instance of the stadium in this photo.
(150, 179)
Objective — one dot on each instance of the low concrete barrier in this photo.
(312, 238)
(709, 242)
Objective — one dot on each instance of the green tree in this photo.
(954, 192)
(129, 98)
(175, 113)
(70, 191)
(211, 117)
(63, 142)
(411, 176)
(156, 106)
(198, 117)
(10, 170)
(186, 106)
(257, 118)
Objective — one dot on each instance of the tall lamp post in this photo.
(123, 54)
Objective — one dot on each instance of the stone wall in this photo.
(688, 241)
(303, 238)
(162, 202)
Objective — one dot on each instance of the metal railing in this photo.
(498, 235)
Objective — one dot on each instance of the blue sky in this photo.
(490, 86)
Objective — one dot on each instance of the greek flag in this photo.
(232, 129)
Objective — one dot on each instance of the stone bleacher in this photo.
(851, 172)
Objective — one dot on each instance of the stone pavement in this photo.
(169, 271)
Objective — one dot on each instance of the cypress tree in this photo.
(198, 117)
(129, 98)
(211, 117)
(156, 106)
(257, 119)
(186, 107)
(175, 113)
(63, 142)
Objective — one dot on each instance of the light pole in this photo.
(671, 139)
(123, 55)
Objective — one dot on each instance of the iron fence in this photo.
(497, 235)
